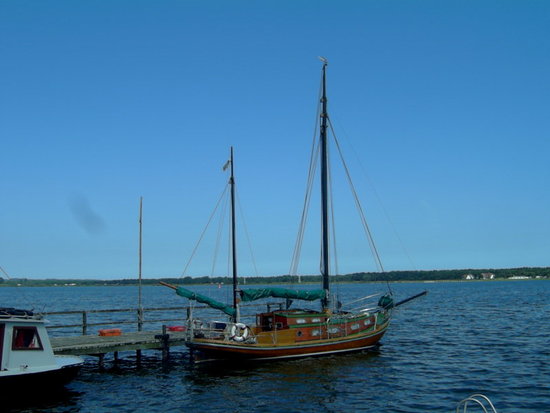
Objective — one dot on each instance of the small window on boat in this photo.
(278, 326)
(26, 338)
(315, 320)
(299, 333)
(301, 321)
(368, 321)
(315, 333)
(354, 326)
(334, 330)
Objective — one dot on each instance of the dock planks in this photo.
(93, 345)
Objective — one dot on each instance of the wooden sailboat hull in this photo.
(210, 349)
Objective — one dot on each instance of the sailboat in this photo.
(285, 333)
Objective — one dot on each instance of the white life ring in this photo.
(239, 332)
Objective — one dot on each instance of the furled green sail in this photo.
(206, 300)
(256, 294)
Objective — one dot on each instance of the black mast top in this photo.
(324, 192)
(233, 237)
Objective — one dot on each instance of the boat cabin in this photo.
(284, 319)
(24, 343)
(312, 325)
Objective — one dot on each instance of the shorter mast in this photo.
(233, 241)
(140, 308)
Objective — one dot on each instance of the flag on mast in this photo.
(227, 164)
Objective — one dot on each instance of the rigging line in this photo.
(329, 193)
(203, 232)
(221, 225)
(303, 219)
(333, 228)
(314, 156)
(361, 299)
(229, 252)
(357, 203)
(5, 273)
(239, 204)
(307, 201)
(25, 297)
(382, 206)
(331, 199)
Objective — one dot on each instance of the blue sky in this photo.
(441, 108)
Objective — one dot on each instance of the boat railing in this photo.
(207, 332)
(368, 297)
(366, 310)
(88, 321)
(478, 399)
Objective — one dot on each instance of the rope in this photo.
(382, 206)
(314, 155)
(333, 222)
(5, 273)
(239, 204)
(333, 227)
(221, 225)
(203, 232)
(372, 245)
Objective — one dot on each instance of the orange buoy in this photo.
(110, 332)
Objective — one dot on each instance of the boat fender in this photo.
(239, 332)
(110, 332)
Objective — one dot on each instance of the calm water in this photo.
(462, 338)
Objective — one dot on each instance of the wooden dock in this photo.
(87, 322)
(91, 343)
(94, 345)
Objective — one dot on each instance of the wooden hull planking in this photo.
(212, 349)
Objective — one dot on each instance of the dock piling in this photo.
(164, 338)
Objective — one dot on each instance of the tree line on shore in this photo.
(417, 275)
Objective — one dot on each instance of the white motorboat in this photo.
(26, 354)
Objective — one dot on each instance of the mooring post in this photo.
(140, 319)
(165, 347)
(84, 323)
(165, 343)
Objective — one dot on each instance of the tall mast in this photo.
(324, 192)
(233, 238)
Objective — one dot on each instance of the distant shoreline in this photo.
(468, 275)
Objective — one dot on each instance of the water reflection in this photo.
(311, 384)
(37, 400)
